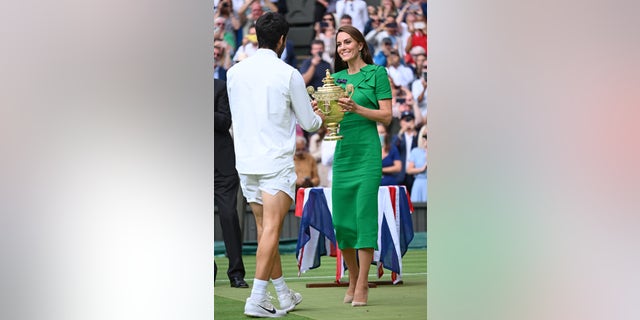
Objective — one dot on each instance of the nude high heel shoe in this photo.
(360, 303)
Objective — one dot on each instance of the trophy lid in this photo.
(329, 84)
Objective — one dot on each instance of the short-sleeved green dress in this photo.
(357, 163)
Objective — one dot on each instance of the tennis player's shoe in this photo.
(289, 300)
(262, 309)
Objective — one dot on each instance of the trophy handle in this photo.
(349, 90)
(310, 90)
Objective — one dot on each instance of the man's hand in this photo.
(314, 104)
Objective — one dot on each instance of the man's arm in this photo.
(301, 104)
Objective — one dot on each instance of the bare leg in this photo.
(349, 256)
(361, 294)
(276, 270)
(269, 218)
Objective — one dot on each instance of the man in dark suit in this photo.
(226, 183)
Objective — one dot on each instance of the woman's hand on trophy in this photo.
(347, 104)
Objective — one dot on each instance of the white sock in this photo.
(259, 289)
(281, 286)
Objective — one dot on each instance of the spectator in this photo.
(220, 32)
(289, 55)
(322, 8)
(391, 163)
(221, 59)
(417, 57)
(305, 166)
(356, 9)
(401, 74)
(406, 140)
(249, 20)
(417, 166)
(419, 88)
(326, 31)
(403, 101)
(387, 8)
(346, 20)
(417, 38)
(236, 4)
(387, 30)
(380, 58)
(249, 46)
(322, 150)
(328, 149)
(373, 22)
(230, 21)
(314, 69)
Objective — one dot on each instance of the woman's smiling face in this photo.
(348, 48)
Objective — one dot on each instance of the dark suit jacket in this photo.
(224, 155)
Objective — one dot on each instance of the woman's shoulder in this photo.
(373, 68)
(394, 150)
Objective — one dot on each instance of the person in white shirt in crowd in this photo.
(357, 9)
(249, 46)
(388, 29)
(419, 87)
(322, 150)
(266, 98)
(401, 74)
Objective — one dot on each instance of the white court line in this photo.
(370, 276)
(332, 277)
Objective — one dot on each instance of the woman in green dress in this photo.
(357, 166)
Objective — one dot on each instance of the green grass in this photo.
(404, 301)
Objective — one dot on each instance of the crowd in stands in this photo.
(396, 33)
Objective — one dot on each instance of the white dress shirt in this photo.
(266, 96)
(357, 9)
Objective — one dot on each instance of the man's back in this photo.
(266, 96)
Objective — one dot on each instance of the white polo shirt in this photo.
(266, 97)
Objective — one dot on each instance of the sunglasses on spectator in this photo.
(425, 136)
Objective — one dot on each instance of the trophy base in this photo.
(332, 132)
(333, 138)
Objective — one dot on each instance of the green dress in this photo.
(357, 163)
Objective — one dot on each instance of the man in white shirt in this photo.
(266, 97)
(357, 9)
(399, 73)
